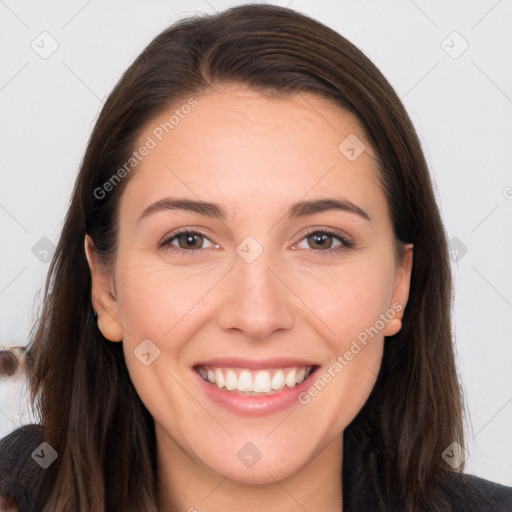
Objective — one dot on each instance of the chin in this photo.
(261, 461)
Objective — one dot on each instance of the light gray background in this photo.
(460, 103)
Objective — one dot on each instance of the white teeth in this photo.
(262, 382)
(231, 380)
(251, 381)
(219, 378)
(278, 381)
(245, 381)
(291, 379)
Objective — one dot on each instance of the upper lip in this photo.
(254, 364)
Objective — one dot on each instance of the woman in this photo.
(249, 305)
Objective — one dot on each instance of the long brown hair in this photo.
(79, 383)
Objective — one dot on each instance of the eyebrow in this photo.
(214, 210)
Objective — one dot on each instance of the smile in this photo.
(254, 382)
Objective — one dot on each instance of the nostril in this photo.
(9, 364)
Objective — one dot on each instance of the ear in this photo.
(400, 291)
(103, 294)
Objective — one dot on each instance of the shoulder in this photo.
(26, 467)
(469, 493)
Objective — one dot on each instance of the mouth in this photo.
(254, 382)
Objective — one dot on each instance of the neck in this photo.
(187, 485)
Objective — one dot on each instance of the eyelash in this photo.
(346, 244)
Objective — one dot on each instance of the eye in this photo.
(186, 240)
(324, 240)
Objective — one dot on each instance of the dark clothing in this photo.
(21, 477)
(28, 484)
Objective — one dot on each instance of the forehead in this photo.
(237, 143)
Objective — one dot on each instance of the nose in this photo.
(257, 300)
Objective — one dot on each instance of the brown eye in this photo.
(325, 241)
(320, 241)
(186, 240)
(189, 240)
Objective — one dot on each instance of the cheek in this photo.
(341, 389)
(157, 299)
(348, 299)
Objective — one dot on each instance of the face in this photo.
(253, 326)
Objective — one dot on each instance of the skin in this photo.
(6, 504)
(255, 155)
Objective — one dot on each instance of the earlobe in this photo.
(102, 296)
(110, 327)
(400, 294)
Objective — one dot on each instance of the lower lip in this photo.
(253, 405)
